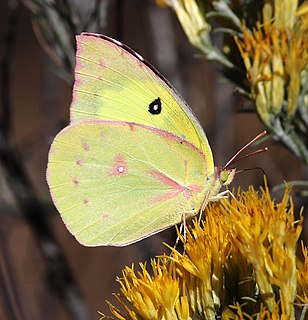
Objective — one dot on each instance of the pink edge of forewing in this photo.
(169, 135)
(80, 49)
(121, 48)
(132, 125)
(126, 50)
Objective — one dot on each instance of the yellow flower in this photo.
(239, 264)
(157, 296)
(266, 234)
(206, 251)
(273, 44)
(275, 54)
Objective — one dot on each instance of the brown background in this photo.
(40, 107)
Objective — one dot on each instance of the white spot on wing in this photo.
(120, 169)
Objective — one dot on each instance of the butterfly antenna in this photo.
(259, 136)
(247, 155)
(249, 169)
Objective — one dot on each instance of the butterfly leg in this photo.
(204, 204)
(224, 194)
(178, 237)
(182, 229)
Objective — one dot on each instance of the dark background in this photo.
(32, 286)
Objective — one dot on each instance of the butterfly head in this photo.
(225, 175)
(222, 177)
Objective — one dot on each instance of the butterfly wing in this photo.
(115, 183)
(112, 82)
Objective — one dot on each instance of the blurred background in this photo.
(44, 272)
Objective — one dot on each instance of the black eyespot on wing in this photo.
(155, 106)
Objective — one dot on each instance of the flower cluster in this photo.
(271, 37)
(240, 263)
(275, 54)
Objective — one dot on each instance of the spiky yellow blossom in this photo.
(151, 297)
(239, 264)
(275, 55)
(202, 265)
(266, 234)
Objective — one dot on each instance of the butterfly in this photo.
(134, 159)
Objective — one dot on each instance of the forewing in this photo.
(115, 183)
(113, 82)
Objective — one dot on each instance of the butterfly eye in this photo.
(155, 106)
(226, 176)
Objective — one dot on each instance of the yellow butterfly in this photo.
(134, 159)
